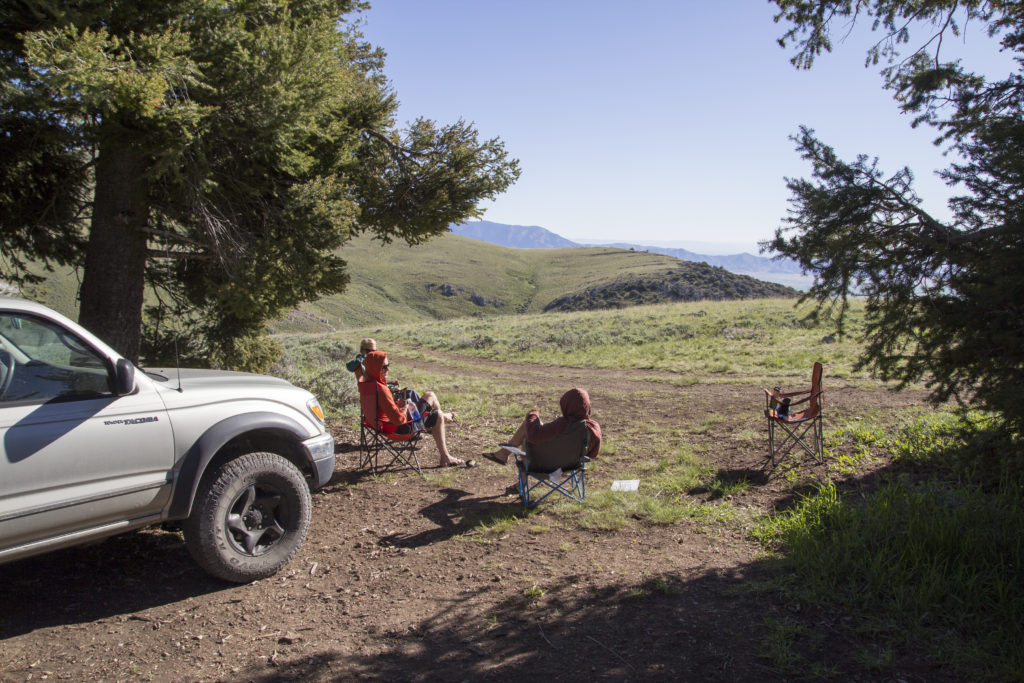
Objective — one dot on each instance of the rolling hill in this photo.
(454, 276)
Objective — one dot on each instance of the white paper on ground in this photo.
(625, 485)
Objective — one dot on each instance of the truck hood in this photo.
(167, 378)
(228, 392)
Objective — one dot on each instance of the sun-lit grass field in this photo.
(702, 341)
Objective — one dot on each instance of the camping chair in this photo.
(800, 427)
(558, 465)
(376, 445)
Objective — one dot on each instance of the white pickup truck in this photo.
(90, 446)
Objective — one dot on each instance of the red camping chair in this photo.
(376, 445)
(801, 427)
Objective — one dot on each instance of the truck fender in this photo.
(198, 457)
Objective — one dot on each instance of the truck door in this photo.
(76, 460)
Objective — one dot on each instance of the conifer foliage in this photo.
(945, 297)
(217, 150)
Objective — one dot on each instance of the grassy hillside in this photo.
(453, 277)
(457, 277)
(59, 290)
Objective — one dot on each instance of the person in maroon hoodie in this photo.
(575, 405)
(395, 419)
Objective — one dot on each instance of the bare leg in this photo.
(517, 440)
(438, 433)
(431, 398)
(438, 430)
(519, 437)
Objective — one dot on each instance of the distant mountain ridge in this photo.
(784, 271)
(736, 263)
(515, 236)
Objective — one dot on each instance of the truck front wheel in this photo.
(249, 517)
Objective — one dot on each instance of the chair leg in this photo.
(523, 482)
(819, 438)
(796, 435)
(410, 458)
(367, 454)
(404, 453)
(573, 485)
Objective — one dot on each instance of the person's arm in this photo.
(594, 445)
(387, 409)
(538, 432)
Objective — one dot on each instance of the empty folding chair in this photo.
(555, 466)
(800, 425)
(377, 446)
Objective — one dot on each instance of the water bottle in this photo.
(783, 409)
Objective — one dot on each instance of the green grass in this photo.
(692, 341)
(612, 341)
(973, 448)
(930, 557)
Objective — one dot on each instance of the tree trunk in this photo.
(115, 258)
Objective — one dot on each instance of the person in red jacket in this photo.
(575, 405)
(409, 418)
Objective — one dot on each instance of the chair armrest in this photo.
(807, 398)
(791, 394)
(786, 394)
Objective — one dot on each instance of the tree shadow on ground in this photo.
(724, 478)
(713, 627)
(721, 625)
(665, 628)
(457, 513)
(121, 575)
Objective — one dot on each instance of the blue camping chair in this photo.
(555, 466)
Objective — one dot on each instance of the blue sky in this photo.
(648, 121)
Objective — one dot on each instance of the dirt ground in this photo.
(399, 580)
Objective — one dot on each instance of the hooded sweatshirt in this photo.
(389, 415)
(575, 405)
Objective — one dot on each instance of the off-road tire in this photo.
(249, 517)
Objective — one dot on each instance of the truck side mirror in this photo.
(124, 377)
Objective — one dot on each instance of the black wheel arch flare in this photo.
(198, 458)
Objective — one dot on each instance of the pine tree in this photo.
(219, 152)
(945, 299)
